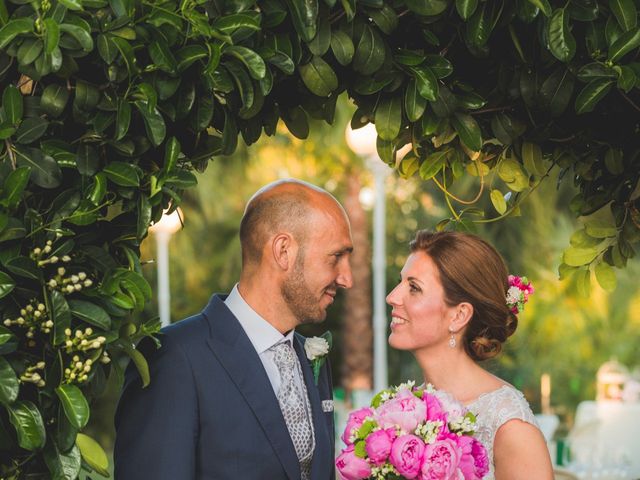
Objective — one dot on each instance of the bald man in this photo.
(232, 393)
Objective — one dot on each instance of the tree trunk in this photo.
(357, 332)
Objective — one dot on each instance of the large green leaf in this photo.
(562, 43)
(153, 121)
(9, 385)
(626, 43)
(543, 5)
(432, 165)
(385, 18)
(74, 404)
(31, 129)
(468, 131)
(591, 94)
(319, 77)
(370, 52)
(26, 419)
(8, 341)
(625, 12)
(139, 361)
(14, 28)
(342, 47)
(388, 117)
(297, 122)
(62, 466)
(576, 257)
(80, 34)
(251, 60)
(12, 104)
(93, 454)
(426, 82)
(304, 15)
(122, 174)
(54, 99)
(45, 172)
(466, 8)
(61, 316)
(322, 40)
(557, 90)
(498, 201)
(427, 7)
(14, 185)
(414, 103)
(606, 276)
(90, 313)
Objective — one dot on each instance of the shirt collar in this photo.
(261, 333)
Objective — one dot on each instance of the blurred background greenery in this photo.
(561, 332)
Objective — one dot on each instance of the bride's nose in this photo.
(392, 298)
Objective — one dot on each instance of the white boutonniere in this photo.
(317, 349)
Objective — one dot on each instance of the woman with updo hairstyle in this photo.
(451, 311)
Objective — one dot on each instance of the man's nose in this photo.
(345, 278)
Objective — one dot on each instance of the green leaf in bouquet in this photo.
(74, 404)
(122, 174)
(319, 77)
(12, 104)
(90, 313)
(62, 465)
(61, 316)
(9, 385)
(14, 28)
(7, 284)
(27, 420)
(8, 341)
(93, 454)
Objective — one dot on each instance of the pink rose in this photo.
(441, 461)
(378, 445)
(474, 462)
(406, 455)
(405, 410)
(355, 421)
(352, 467)
(435, 412)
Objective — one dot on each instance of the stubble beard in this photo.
(299, 297)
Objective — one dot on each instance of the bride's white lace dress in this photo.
(494, 409)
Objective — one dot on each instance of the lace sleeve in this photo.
(497, 408)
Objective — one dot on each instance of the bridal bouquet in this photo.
(412, 433)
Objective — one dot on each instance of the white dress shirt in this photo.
(262, 335)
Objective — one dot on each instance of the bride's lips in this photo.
(397, 320)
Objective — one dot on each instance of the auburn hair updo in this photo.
(472, 271)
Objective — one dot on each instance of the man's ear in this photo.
(463, 315)
(284, 250)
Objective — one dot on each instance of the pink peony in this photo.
(435, 412)
(441, 461)
(406, 455)
(355, 421)
(474, 462)
(405, 410)
(352, 467)
(378, 445)
(450, 405)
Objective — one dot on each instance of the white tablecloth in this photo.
(605, 435)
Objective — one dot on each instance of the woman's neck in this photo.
(453, 371)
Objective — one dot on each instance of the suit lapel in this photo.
(234, 351)
(322, 461)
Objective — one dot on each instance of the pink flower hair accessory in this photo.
(518, 293)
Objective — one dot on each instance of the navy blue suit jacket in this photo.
(210, 411)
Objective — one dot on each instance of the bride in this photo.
(451, 310)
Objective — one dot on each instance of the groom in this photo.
(232, 393)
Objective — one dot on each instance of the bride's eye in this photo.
(414, 288)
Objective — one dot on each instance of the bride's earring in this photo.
(452, 340)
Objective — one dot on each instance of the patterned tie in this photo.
(295, 406)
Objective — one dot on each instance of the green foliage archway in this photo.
(108, 107)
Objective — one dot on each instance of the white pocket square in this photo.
(327, 406)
